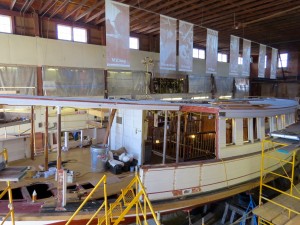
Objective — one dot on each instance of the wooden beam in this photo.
(39, 80)
(12, 4)
(46, 139)
(89, 10)
(32, 134)
(63, 5)
(111, 119)
(58, 162)
(28, 5)
(94, 16)
(76, 9)
(45, 6)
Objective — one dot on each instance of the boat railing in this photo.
(192, 146)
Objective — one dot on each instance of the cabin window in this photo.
(255, 129)
(240, 60)
(229, 131)
(267, 127)
(5, 24)
(245, 130)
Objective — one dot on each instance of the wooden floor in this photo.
(78, 160)
(278, 215)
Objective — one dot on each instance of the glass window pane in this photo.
(240, 60)
(79, 34)
(5, 24)
(64, 32)
(201, 54)
(283, 60)
(195, 53)
(133, 43)
(266, 61)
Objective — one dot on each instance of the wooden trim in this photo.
(46, 140)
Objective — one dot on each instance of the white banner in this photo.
(261, 61)
(274, 63)
(117, 34)
(185, 46)
(167, 43)
(234, 55)
(211, 51)
(246, 57)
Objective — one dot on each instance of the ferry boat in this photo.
(184, 149)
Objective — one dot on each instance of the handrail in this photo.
(103, 180)
(140, 193)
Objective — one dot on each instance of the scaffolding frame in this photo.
(285, 171)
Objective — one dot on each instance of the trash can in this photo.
(98, 157)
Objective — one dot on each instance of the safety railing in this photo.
(103, 205)
(133, 199)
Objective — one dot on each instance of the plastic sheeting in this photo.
(200, 84)
(21, 79)
(241, 87)
(71, 82)
(127, 83)
(224, 86)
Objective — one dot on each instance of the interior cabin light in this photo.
(171, 99)
(52, 69)
(193, 136)
(225, 96)
(156, 141)
(200, 97)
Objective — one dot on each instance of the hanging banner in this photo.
(185, 46)
(167, 43)
(274, 63)
(234, 55)
(211, 51)
(117, 34)
(261, 61)
(246, 57)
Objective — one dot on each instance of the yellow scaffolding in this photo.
(286, 170)
(133, 199)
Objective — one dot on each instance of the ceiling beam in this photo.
(95, 16)
(63, 5)
(76, 9)
(89, 10)
(28, 5)
(12, 4)
(45, 6)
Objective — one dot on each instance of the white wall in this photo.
(36, 51)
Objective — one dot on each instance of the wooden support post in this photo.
(105, 85)
(46, 139)
(178, 136)
(111, 119)
(165, 137)
(39, 81)
(184, 133)
(58, 166)
(32, 134)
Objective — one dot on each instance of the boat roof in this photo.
(231, 108)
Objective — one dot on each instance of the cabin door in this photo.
(127, 132)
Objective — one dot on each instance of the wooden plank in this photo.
(13, 173)
(294, 221)
(111, 119)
